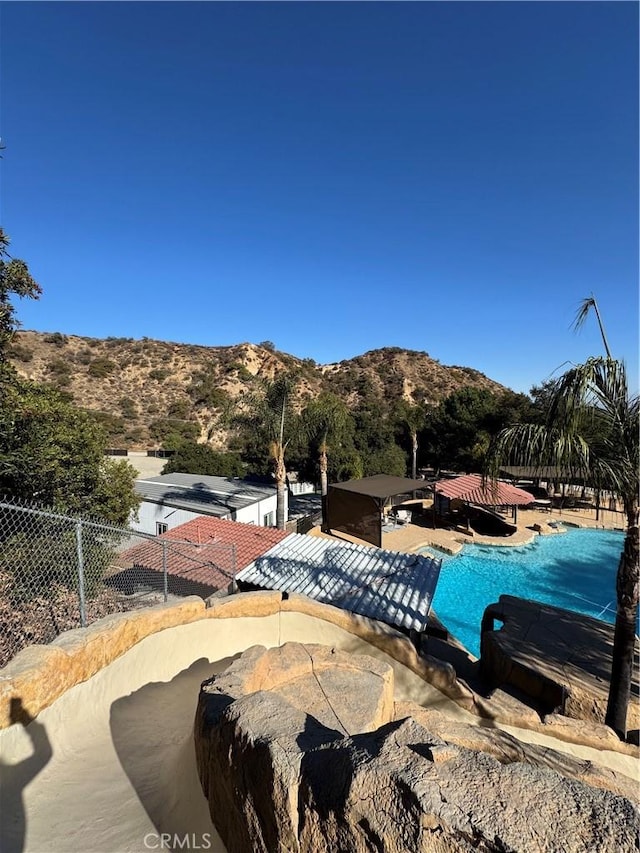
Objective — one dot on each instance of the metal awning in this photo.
(381, 486)
(393, 588)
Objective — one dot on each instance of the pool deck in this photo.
(410, 538)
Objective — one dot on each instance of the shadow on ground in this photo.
(152, 732)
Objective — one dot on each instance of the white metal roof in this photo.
(388, 586)
(201, 493)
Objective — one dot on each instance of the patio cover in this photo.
(541, 472)
(472, 489)
(355, 507)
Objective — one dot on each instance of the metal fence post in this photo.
(81, 592)
(165, 578)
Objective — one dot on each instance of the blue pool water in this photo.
(575, 570)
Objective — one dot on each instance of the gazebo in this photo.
(472, 489)
(357, 506)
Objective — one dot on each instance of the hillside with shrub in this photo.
(149, 393)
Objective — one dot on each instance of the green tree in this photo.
(592, 428)
(16, 280)
(323, 420)
(458, 432)
(271, 422)
(172, 432)
(373, 435)
(53, 454)
(455, 434)
(388, 460)
(193, 458)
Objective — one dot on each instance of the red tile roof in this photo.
(470, 488)
(205, 550)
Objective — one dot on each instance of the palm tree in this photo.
(583, 312)
(269, 413)
(592, 429)
(323, 419)
(414, 418)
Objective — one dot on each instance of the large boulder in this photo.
(298, 750)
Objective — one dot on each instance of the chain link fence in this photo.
(58, 572)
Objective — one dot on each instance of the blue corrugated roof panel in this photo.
(391, 587)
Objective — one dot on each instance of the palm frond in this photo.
(591, 431)
(583, 312)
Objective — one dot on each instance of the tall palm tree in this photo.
(414, 418)
(322, 419)
(592, 429)
(271, 411)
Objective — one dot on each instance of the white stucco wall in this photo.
(149, 514)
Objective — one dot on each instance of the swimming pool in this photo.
(575, 570)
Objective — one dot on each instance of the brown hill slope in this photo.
(137, 385)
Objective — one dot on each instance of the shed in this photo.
(199, 557)
(173, 499)
(356, 507)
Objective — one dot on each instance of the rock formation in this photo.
(300, 748)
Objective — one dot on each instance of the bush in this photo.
(171, 432)
(101, 367)
(112, 425)
(62, 380)
(159, 374)
(179, 409)
(193, 458)
(204, 391)
(241, 371)
(56, 338)
(128, 407)
(84, 356)
(20, 352)
(59, 367)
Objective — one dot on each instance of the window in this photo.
(267, 520)
(161, 528)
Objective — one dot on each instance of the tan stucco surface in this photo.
(109, 764)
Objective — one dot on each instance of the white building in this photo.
(172, 499)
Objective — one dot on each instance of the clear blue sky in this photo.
(333, 177)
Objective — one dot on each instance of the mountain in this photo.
(142, 389)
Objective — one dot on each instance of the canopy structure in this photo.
(542, 472)
(472, 489)
(356, 507)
